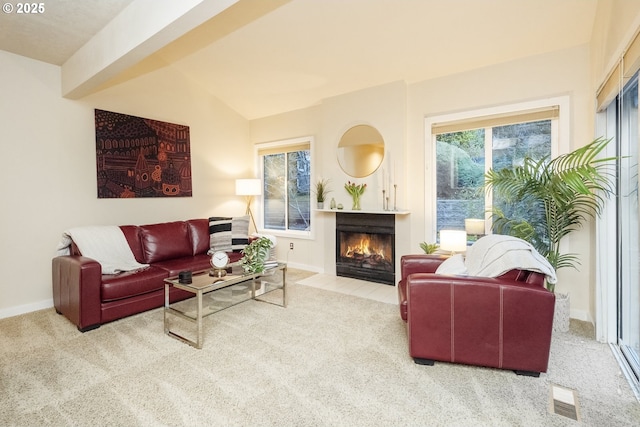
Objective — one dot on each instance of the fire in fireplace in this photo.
(365, 247)
(366, 250)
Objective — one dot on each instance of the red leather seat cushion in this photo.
(199, 232)
(132, 234)
(131, 283)
(169, 240)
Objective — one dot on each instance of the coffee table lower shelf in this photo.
(245, 287)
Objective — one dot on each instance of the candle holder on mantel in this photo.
(395, 197)
(385, 199)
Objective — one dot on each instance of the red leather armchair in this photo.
(503, 322)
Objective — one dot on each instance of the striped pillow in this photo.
(239, 233)
(220, 234)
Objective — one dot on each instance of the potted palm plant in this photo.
(561, 193)
(321, 191)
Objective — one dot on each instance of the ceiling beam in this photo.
(141, 29)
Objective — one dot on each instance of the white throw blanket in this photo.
(105, 244)
(495, 254)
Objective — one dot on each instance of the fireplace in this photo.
(365, 247)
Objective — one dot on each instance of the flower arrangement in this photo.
(355, 190)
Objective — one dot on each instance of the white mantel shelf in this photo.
(349, 211)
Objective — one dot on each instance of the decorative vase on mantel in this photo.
(356, 202)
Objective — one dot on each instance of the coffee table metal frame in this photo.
(203, 284)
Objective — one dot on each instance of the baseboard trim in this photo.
(26, 308)
(580, 315)
(304, 267)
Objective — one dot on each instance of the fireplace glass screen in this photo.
(364, 250)
(365, 247)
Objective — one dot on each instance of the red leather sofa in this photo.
(88, 298)
(503, 322)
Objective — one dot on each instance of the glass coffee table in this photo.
(212, 294)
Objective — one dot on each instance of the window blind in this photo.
(626, 68)
(510, 118)
(267, 150)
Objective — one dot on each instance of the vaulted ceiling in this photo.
(264, 57)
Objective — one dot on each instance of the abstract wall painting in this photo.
(138, 157)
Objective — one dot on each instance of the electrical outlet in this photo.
(291, 245)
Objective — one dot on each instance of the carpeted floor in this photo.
(328, 359)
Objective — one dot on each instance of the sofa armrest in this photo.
(76, 290)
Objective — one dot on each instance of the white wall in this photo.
(383, 107)
(616, 23)
(398, 111)
(49, 173)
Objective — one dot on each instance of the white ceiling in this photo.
(59, 31)
(305, 51)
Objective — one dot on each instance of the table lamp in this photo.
(249, 188)
(453, 240)
(474, 227)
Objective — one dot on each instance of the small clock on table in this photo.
(219, 262)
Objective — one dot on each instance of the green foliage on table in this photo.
(255, 254)
(429, 248)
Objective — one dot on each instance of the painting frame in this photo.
(138, 157)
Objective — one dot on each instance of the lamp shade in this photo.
(248, 187)
(453, 240)
(474, 226)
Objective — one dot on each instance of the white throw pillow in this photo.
(454, 265)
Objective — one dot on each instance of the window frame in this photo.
(560, 143)
(272, 147)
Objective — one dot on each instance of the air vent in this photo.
(564, 402)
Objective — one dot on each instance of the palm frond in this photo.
(570, 188)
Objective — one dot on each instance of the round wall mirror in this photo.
(360, 151)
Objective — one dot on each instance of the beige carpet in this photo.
(328, 359)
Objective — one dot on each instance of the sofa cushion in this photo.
(453, 265)
(165, 241)
(239, 233)
(199, 233)
(128, 284)
(220, 238)
(132, 234)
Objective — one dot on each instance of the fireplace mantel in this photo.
(349, 211)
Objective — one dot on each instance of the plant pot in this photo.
(561, 313)
(320, 205)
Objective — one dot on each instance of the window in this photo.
(468, 145)
(620, 283)
(286, 176)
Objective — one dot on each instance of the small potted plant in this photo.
(321, 191)
(255, 255)
(429, 248)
